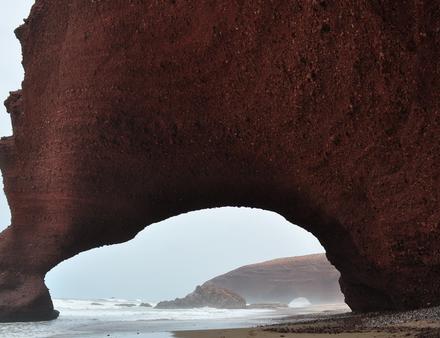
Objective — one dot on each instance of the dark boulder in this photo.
(206, 296)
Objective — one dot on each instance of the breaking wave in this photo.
(123, 309)
(299, 302)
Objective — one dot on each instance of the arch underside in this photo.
(326, 114)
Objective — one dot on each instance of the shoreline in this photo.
(423, 323)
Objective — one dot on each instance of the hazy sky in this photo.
(167, 259)
(12, 13)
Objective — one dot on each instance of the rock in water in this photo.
(145, 305)
(206, 296)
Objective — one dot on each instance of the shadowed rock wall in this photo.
(132, 111)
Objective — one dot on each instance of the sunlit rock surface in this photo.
(327, 112)
(283, 280)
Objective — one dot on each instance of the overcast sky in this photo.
(167, 259)
(12, 13)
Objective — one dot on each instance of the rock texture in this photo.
(133, 111)
(206, 296)
(282, 280)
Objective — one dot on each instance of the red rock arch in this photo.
(326, 112)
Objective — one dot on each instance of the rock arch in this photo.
(133, 111)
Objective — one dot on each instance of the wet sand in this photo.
(424, 323)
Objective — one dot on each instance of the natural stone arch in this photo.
(326, 112)
(204, 243)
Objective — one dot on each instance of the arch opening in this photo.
(167, 260)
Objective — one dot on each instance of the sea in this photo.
(122, 318)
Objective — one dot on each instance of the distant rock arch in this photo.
(134, 111)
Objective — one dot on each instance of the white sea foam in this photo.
(130, 310)
(299, 302)
(98, 317)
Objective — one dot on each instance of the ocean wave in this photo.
(84, 318)
(299, 302)
(125, 309)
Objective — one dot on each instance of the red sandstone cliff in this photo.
(327, 112)
(282, 280)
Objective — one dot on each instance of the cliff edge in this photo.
(282, 280)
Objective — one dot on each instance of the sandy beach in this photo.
(424, 323)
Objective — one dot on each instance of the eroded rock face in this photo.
(207, 295)
(282, 280)
(327, 112)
